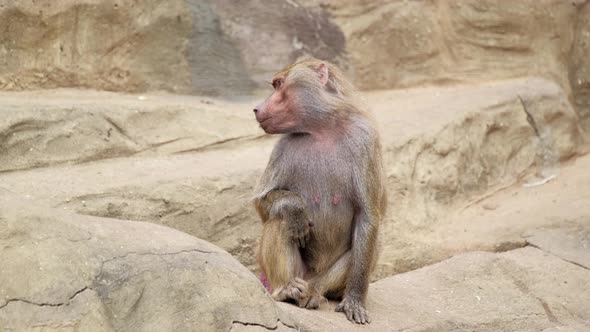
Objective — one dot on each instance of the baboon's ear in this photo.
(323, 73)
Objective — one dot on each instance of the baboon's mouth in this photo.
(264, 120)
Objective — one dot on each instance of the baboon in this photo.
(321, 197)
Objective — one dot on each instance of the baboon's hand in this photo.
(299, 224)
(354, 310)
(291, 209)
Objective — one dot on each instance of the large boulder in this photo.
(67, 126)
(501, 220)
(62, 271)
(457, 144)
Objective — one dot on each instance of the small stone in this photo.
(490, 206)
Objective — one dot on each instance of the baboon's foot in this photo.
(299, 291)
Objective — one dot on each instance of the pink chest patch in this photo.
(336, 199)
(316, 199)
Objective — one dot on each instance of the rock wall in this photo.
(580, 66)
(407, 43)
(216, 46)
(199, 47)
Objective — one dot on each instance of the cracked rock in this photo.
(60, 270)
(520, 290)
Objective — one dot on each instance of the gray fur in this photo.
(331, 170)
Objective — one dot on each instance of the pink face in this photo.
(276, 115)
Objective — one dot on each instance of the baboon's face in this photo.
(278, 114)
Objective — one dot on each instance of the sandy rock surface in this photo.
(521, 290)
(66, 272)
(498, 222)
(51, 127)
(191, 163)
(500, 167)
(571, 243)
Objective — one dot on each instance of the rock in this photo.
(438, 160)
(490, 206)
(272, 34)
(441, 159)
(491, 166)
(68, 126)
(579, 70)
(62, 271)
(215, 47)
(408, 43)
(522, 212)
(569, 243)
(201, 47)
(482, 139)
(520, 290)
